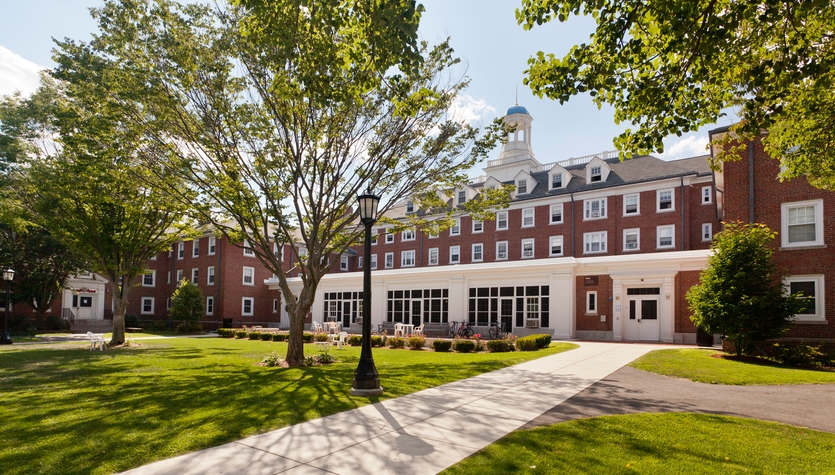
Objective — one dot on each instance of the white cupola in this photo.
(517, 153)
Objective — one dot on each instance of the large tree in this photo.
(78, 174)
(671, 66)
(279, 113)
(42, 266)
(740, 295)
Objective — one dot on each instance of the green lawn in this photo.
(675, 443)
(698, 365)
(67, 410)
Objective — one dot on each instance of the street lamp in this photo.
(366, 380)
(8, 275)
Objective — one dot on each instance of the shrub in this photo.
(396, 342)
(462, 345)
(132, 321)
(187, 302)
(309, 361)
(478, 343)
(543, 340)
(799, 354)
(527, 343)
(417, 342)
(225, 332)
(189, 327)
(272, 360)
(320, 337)
(266, 336)
(55, 322)
(307, 337)
(376, 340)
(356, 340)
(158, 325)
(279, 336)
(325, 358)
(442, 346)
(254, 335)
(500, 346)
(240, 333)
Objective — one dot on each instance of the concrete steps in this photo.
(95, 326)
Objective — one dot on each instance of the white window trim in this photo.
(251, 306)
(389, 260)
(709, 227)
(437, 256)
(275, 305)
(784, 224)
(636, 231)
(408, 235)
(212, 300)
(181, 251)
(210, 275)
(180, 274)
(142, 306)
(506, 220)
(373, 261)
(404, 256)
(389, 237)
(248, 251)
(458, 197)
(455, 251)
(474, 259)
(243, 276)
(343, 262)
(533, 217)
(587, 208)
(153, 283)
(455, 229)
(589, 310)
(603, 242)
(820, 308)
(551, 214)
(551, 246)
(672, 200)
(533, 248)
(168, 280)
(195, 272)
(212, 246)
(359, 262)
(551, 181)
(525, 181)
(410, 206)
(672, 228)
(477, 231)
(195, 248)
(637, 208)
(506, 251)
(708, 195)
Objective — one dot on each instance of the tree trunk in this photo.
(120, 305)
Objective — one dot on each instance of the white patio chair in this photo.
(317, 327)
(95, 340)
(398, 329)
(419, 330)
(339, 340)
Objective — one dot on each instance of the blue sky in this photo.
(483, 33)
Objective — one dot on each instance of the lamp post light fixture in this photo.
(366, 380)
(8, 276)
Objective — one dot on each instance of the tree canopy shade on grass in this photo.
(699, 365)
(67, 410)
(671, 66)
(278, 114)
(740, 295)
(79, 176)
(677, 443)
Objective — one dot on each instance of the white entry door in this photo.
(85, 306)
(642, 322)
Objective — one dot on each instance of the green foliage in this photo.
(189, 327)
(804, 355)
(417, 342)
(376, 340)
(356, 340)
(669, 67)
(254, 335)
(187, 302)
(542, 339)
(131, 321)
(463, 345)
(307, 337)
(740, 295)
(225, 332)
(320, 336)
(500, 346)
(271, 360)
(325, 358)
(240, 333)
(442, 346)
(396, 342)
(267, 336)
(527, 343)
(278, 336)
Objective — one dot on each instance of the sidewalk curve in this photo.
(420, 433)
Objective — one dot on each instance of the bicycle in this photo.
(495, 331)
(465, 331)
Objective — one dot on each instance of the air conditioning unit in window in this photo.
(532, 323)
(595, 214)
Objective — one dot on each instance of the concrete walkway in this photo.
(421, 433)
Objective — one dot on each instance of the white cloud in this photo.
(17, 73)
(691, 146)
(468, 109)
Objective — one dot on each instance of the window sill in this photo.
(528, 257)
(665, 248)
(556, 255)
(589, 314)
(501, 229)
(708, 203)
(665, 210)
(631, 250)
(595, 253)
(528, 226)
(802, 247)
(810, 322)
(558, 222)
(595, 219)
(629, 215)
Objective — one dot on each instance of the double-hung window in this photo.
(462, 197)
(373, 261)
(195, 276)
(478, 226)
(195, 248)
(455, 230)
(181, 250)
(631, 205)
(249, 276)
(410, 206)
(389, 237)
(666, 236)
(389, 260)
(527, 248)
(556, 246)
(801, 223)
(210, 277)
(247, 304)
(433, 256)
(212, 245)
(501, 251)
(454, 254)
(478, 252)
(407, 259)
(594, 242)
(210, 305)
(501, 220)
(147, 305)
(408, 235)
(248, 251)
(556, 181)
(343, 262)
(148, 280)
(521, 187)
(707, 195)
(812, 294)
(556, 214)
(707, 232)
(596, 174)
(527, 218)
(632, 239)
(595, 209)
(665, 201)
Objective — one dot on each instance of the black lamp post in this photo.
(366, 380)
(8, 275)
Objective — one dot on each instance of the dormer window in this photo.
(462, 197)
(596, 175)
(410, 206)
(521, 186)
(556, 181)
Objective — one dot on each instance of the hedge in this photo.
(442, 345)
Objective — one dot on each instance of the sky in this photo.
(484, 34)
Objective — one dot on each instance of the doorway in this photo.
(642, 319)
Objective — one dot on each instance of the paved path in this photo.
(421, 433)
(82, 338)
(631, 390)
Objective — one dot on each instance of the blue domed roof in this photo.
(517, 110)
